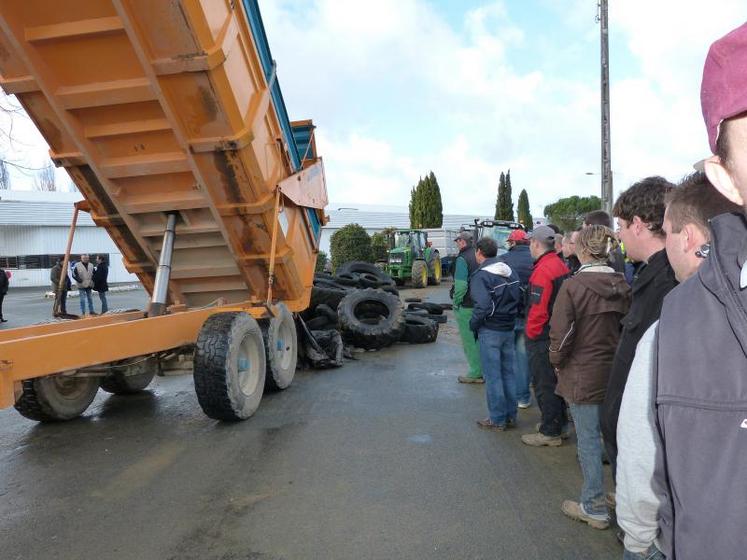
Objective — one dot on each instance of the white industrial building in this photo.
(34, 228)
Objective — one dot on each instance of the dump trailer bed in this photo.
(169, 118)
(157, 106)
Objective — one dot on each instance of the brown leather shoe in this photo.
(487, 424)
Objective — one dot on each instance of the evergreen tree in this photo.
(508, 202)
(426, 207)
(568, 213)
(499, 198)
(525, 216)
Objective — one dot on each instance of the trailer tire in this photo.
(371, 319)
(419, 330)
(120, 384)
(361, 267)
(56, 398)
(281, 347)
(230, 366)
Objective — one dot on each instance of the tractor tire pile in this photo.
(360, 307)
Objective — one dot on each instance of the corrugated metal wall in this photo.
(41, 240)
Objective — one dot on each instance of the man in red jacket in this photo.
(547, 276)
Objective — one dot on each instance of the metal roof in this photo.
(29, 213)
(380, 219)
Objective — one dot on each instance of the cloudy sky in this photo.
(468, 88)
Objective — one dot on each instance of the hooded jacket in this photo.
(495, 291)
(584, 331)
(701, 404)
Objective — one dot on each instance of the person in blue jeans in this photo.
(83, 276)
(495, 292)
(519, 258)
(584, 331)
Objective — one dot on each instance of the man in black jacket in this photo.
(100, 281)
(702, 343)
(60, 295)
(495, 291)
(640, 216)
(4, 283)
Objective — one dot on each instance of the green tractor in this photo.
(412, 258)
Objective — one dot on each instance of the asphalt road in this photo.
(379, 459)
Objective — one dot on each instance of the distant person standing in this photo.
(466, 265)
(83, 275)
(100, 284)
(519, 258)
(4, 282)
(59, 294)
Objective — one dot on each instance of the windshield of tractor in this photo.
(402, 239)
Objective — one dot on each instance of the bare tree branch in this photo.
(45, 179)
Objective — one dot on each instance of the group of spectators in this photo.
(88, 278)
(647, 352)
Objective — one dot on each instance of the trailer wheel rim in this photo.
(284, 349)
(248, 362)
(69, 388)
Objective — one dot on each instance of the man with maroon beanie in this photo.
(548, 274)
(701, 361)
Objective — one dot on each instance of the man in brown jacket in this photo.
(584, 330)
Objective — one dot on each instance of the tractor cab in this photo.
(499, 230)
(411, 257)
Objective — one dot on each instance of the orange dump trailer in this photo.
(168, 116)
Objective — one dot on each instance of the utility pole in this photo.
(603, 20)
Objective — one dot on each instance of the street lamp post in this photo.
(602, 18)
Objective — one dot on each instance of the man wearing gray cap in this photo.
(466, 265)
(548, 274)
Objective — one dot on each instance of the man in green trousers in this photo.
(466, 264)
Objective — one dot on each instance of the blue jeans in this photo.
(522, 362)
(497, 357)
(589, 435)
(104, 304)
(85, 294)
(652, 553)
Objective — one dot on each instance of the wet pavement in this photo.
(379, 459)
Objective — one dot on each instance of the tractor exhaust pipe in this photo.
(163, 273)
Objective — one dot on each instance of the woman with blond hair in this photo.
(584, 330)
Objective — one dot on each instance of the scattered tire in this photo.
(431, 308)
(434, 270)
(327, 296)
(348, 279)
(446, 306)
(361, 267)
(56, 398)
(419, 274)
(416, 312)
(419, 330)
(281, 349)
(230, 366)
(438, 318)
(390, 290)
(371, 319)
(128, 378)
(413, 300)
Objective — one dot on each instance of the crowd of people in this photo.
(88, 278)
(642, 350)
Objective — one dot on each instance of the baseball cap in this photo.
(723, 92)
(517, 235)
(464, 236)
(543, 233)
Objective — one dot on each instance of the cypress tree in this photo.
(499, 198)
(525, 216)
(508, 203)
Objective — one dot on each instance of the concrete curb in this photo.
(76, 293)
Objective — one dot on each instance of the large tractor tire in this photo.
(56, 398)
(130, 379)
(281, 346)
(230, 366)
(434, 270)
(361, 267)
(371, 319)
(419, 274)
(327, 296)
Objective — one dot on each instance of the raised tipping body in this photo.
(160, 107)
